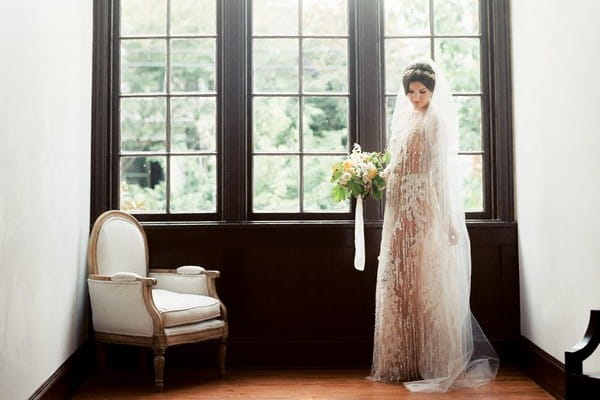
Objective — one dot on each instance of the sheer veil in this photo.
(454, 352)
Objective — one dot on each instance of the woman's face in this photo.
(419, 95)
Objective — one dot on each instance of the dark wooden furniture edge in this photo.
(580, 385)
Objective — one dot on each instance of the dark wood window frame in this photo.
(366, 113)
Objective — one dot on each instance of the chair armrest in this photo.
(144, 280)
(124, 307)
(208, 272)
(198, 281)
(212, 273)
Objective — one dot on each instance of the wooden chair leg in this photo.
(159, 367)
(222, 347)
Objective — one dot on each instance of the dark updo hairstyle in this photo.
(418, 72)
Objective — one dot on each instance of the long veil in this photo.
(453, 350)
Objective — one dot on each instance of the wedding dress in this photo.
(425, 334)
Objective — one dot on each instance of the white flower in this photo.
(345, 178)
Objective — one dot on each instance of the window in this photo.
(449, 32)
(234, 110)
(167, 106)
(300, 103)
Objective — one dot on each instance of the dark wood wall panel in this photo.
(486, 288)
(294, 297)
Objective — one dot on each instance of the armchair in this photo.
(157, 308)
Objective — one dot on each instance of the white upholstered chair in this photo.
(156, 309)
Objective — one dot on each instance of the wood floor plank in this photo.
(511, 384)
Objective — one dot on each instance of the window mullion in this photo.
(432, 29)
(500, 108)
(102, 185)
(233, 67)
(168, 112)
(368, 84)
(301, 110)
(115, 137)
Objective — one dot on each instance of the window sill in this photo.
(300, 224)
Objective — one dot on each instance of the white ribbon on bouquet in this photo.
(359, 236)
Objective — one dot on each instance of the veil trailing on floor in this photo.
(452, 351)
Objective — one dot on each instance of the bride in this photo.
(425, 334)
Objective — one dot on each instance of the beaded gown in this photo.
(425, 335)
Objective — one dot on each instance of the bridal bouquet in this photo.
(359, 175)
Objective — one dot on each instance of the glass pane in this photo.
(143, 17)
(193, 65)
(456, 16)
(143, 65)
(275, 17)
(469, 112)
(193, 123)
(317, 185)
(390, 103)
(143, 183)
(275, 63)
(143, 126)
(324, 17)
(193, 184)
(276, 184)
(325, 124)
(193, 17)
(472, 170)
(406, 17)
(325, 65)
(275, 123)
(459, 58)
(398, 54)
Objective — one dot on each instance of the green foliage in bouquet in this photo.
(359, 175)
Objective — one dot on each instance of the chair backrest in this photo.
(117, 244)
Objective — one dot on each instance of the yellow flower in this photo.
(348, 164)
(372, 173)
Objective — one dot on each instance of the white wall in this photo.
(556, 82)
(45, 101)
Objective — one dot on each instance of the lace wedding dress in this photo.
(425, 334)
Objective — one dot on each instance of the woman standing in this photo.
(425, 334)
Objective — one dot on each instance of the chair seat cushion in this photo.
(182, 308)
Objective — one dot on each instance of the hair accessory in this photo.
(418, 71)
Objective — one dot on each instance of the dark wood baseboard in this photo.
(543, 369)
(67, 378)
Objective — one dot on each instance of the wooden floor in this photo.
(511, 383)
